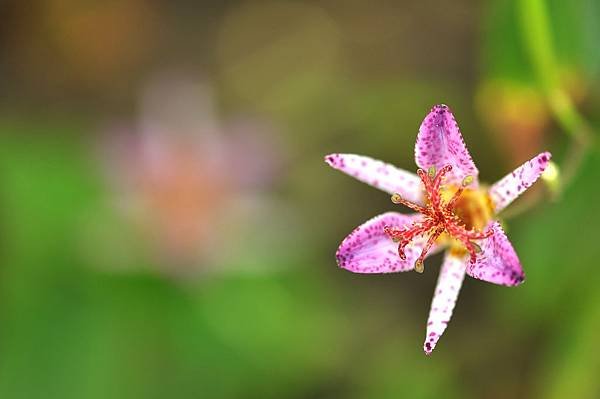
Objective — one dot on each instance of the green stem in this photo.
(536, 33)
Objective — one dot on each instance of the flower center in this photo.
(460, 213)
(474, 206)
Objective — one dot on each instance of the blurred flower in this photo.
(516, 113)
(454, 212)
(184, 180)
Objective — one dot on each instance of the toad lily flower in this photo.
(452, 211)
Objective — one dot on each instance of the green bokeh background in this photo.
(87, 311)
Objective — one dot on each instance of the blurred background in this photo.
(168, 225)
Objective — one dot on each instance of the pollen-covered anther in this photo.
(397, 199)
(467, 180)
(419, 266)
(431, 172)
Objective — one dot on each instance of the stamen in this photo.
(426, 181)
(419, 266)
(397, 199)
(467, 180)
(431, 171)
(427, 247)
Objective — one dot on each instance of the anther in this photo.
(467, 180)
(431, 171)
(396, 198)
(419, 266)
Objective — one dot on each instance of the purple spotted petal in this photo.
(380, 175)
(369, 250)
(440, 143)
(507, 189)
(451, 276)
(498, 262)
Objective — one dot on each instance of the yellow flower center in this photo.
(474, 208)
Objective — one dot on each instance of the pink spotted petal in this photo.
(380, 175)
(507, 189)
(440, 143)
(498, 262)
(369, 250)
(451, 276)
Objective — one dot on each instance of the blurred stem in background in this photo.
(537, 37)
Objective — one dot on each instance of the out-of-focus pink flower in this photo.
(180, 175)
(452, 211)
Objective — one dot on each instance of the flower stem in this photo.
(537, 37)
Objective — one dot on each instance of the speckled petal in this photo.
(507, 189)
(498, 262)
(369, 250)
(440, 143)
(451, 276)
(380, 175)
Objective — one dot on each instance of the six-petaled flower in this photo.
(452, 211)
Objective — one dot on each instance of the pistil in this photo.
(439, 217)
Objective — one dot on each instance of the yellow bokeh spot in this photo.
(551, 176)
